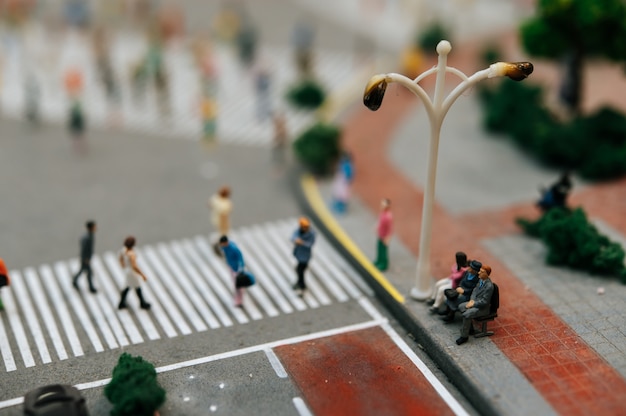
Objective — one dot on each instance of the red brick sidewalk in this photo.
(571, 376)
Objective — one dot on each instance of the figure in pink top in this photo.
(450, 282)
(383, 231)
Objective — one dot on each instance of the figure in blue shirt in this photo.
(235, 262)
(303, 239)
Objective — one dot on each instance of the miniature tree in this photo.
(318, 148)
(134, 390)
(576, 30)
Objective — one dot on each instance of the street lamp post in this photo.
(436, 110)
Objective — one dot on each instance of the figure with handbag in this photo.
(450, 282)
(234, 259)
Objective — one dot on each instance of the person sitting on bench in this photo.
(478, 305)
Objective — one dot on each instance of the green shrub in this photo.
(430, 38)
(318, 148)
(574, 242)
(594, 146)
(307, 95)
(134, 390)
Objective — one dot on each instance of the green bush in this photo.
(430, 38)
(594, 146)
(134, 390)
(318, 148)
(574, 242)
(307, 95)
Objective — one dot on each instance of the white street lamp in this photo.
(436, 110)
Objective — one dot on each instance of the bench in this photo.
(493, 313)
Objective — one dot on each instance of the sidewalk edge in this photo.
(309, 198)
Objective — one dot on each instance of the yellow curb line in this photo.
(311, 193)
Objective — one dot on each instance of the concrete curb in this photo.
(307, 193)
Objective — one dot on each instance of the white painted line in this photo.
(369, 308)
(96, 313)
(315, 295)
(338, 275)
(311, 279)
(301, 407)
(171, 281)
(268, 275)
(163, 296)
(454, 405)
(354, 276)
(31, 316)
(209, 277)
(275, 362)
(64, 279)
(5, 349)
(205, 254)
(316, 266)
(18, 329)
(201, 286)
(263, 282)
(60, 305)
(269, 259)
(190, 291)
(142, 316)
(228, 354)
(46, 313)
(113, 295)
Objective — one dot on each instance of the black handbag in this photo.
(451, 294)
(244, 279)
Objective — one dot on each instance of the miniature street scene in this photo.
(305, 207)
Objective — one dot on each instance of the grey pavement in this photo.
(472, 162)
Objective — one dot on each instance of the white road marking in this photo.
(301, 407)
(275, 362)
(18, 329)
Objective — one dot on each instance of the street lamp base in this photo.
(419, 295)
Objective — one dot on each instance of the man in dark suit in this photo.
(478, 305)
(86, 251)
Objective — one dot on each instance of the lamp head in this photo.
(518, 71)
(375, 91)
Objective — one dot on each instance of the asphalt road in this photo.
(157, 189)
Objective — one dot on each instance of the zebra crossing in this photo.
(237, 120)
(190, 289)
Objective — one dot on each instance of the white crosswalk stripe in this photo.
(237, 119)
(189, 287)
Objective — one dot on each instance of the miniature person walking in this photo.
(4, 279)
(342, 182)
(86, 251)
(384, 231)
(134, 275)
(303, 239)
(221, 206)
(235, 262)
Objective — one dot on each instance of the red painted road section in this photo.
(359, 373)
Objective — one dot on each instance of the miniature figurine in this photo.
(341, 184)
(478, 305)
(235, 262)
(4, 279)
(556, 195)
(463, 292)
(384, 231)
(134, 275)
(280, 136)
(303, 239)
(221, 206)
(449, 282)
(86, 251)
